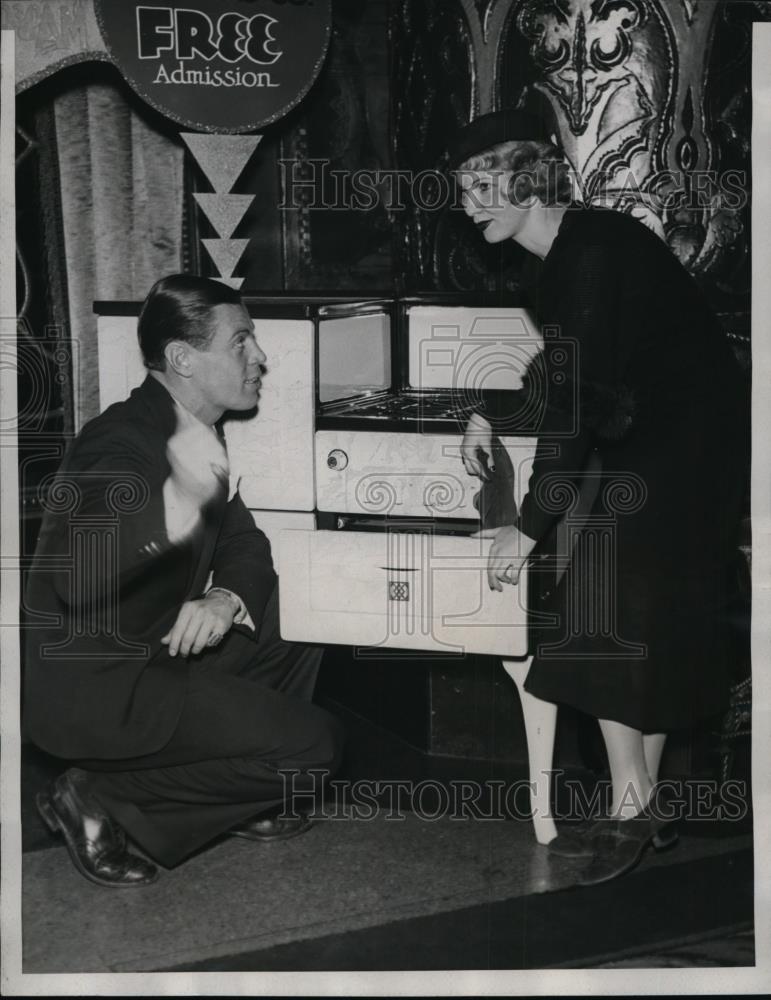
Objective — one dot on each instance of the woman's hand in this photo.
(478, 437)
(508, 554)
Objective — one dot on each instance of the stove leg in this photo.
(540, 729)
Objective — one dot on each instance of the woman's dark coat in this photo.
(641, 381)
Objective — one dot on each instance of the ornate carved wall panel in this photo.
(651, 103)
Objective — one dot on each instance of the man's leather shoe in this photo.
(267, 828)
(100, 854)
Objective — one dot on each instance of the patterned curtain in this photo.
(122, 196)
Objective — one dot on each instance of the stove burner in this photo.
(406, 406)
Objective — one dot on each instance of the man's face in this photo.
(227, 372)
(486, 202)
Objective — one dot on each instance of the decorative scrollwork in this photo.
(376, 495)
(59, 493)
(128, 495)
(620, 492)
(443, 494)
(641, 90)
(537, 21)
(631, 17)
(555, 493)
(577, 44)
(623, 493)
(64, 492)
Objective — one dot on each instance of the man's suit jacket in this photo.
(106, 585)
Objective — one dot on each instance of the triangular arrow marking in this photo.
(224, 211)
(225, 254)
(221, 157)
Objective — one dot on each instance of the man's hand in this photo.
(478, 437)
(199, 467)
(508, 554)
(200, 624)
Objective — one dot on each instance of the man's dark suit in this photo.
(184, 749)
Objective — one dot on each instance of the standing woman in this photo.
(639, 636)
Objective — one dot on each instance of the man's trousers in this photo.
(247, 735)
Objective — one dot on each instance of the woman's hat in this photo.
(490, 130)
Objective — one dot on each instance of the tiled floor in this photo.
(403, 893)
(242, 900)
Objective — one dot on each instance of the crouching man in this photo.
(177, 706)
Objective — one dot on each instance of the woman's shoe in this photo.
(665, 838)
(576, 841)
(618, 847)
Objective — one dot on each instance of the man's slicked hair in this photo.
(178, 307)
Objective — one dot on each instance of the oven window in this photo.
(354, 356)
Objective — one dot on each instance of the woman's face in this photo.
(486, 202)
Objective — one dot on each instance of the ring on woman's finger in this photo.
(214, 638)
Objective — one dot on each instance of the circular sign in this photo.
(218, 65)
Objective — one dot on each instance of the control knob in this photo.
(337, 460)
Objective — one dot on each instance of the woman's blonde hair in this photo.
(538, 168)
